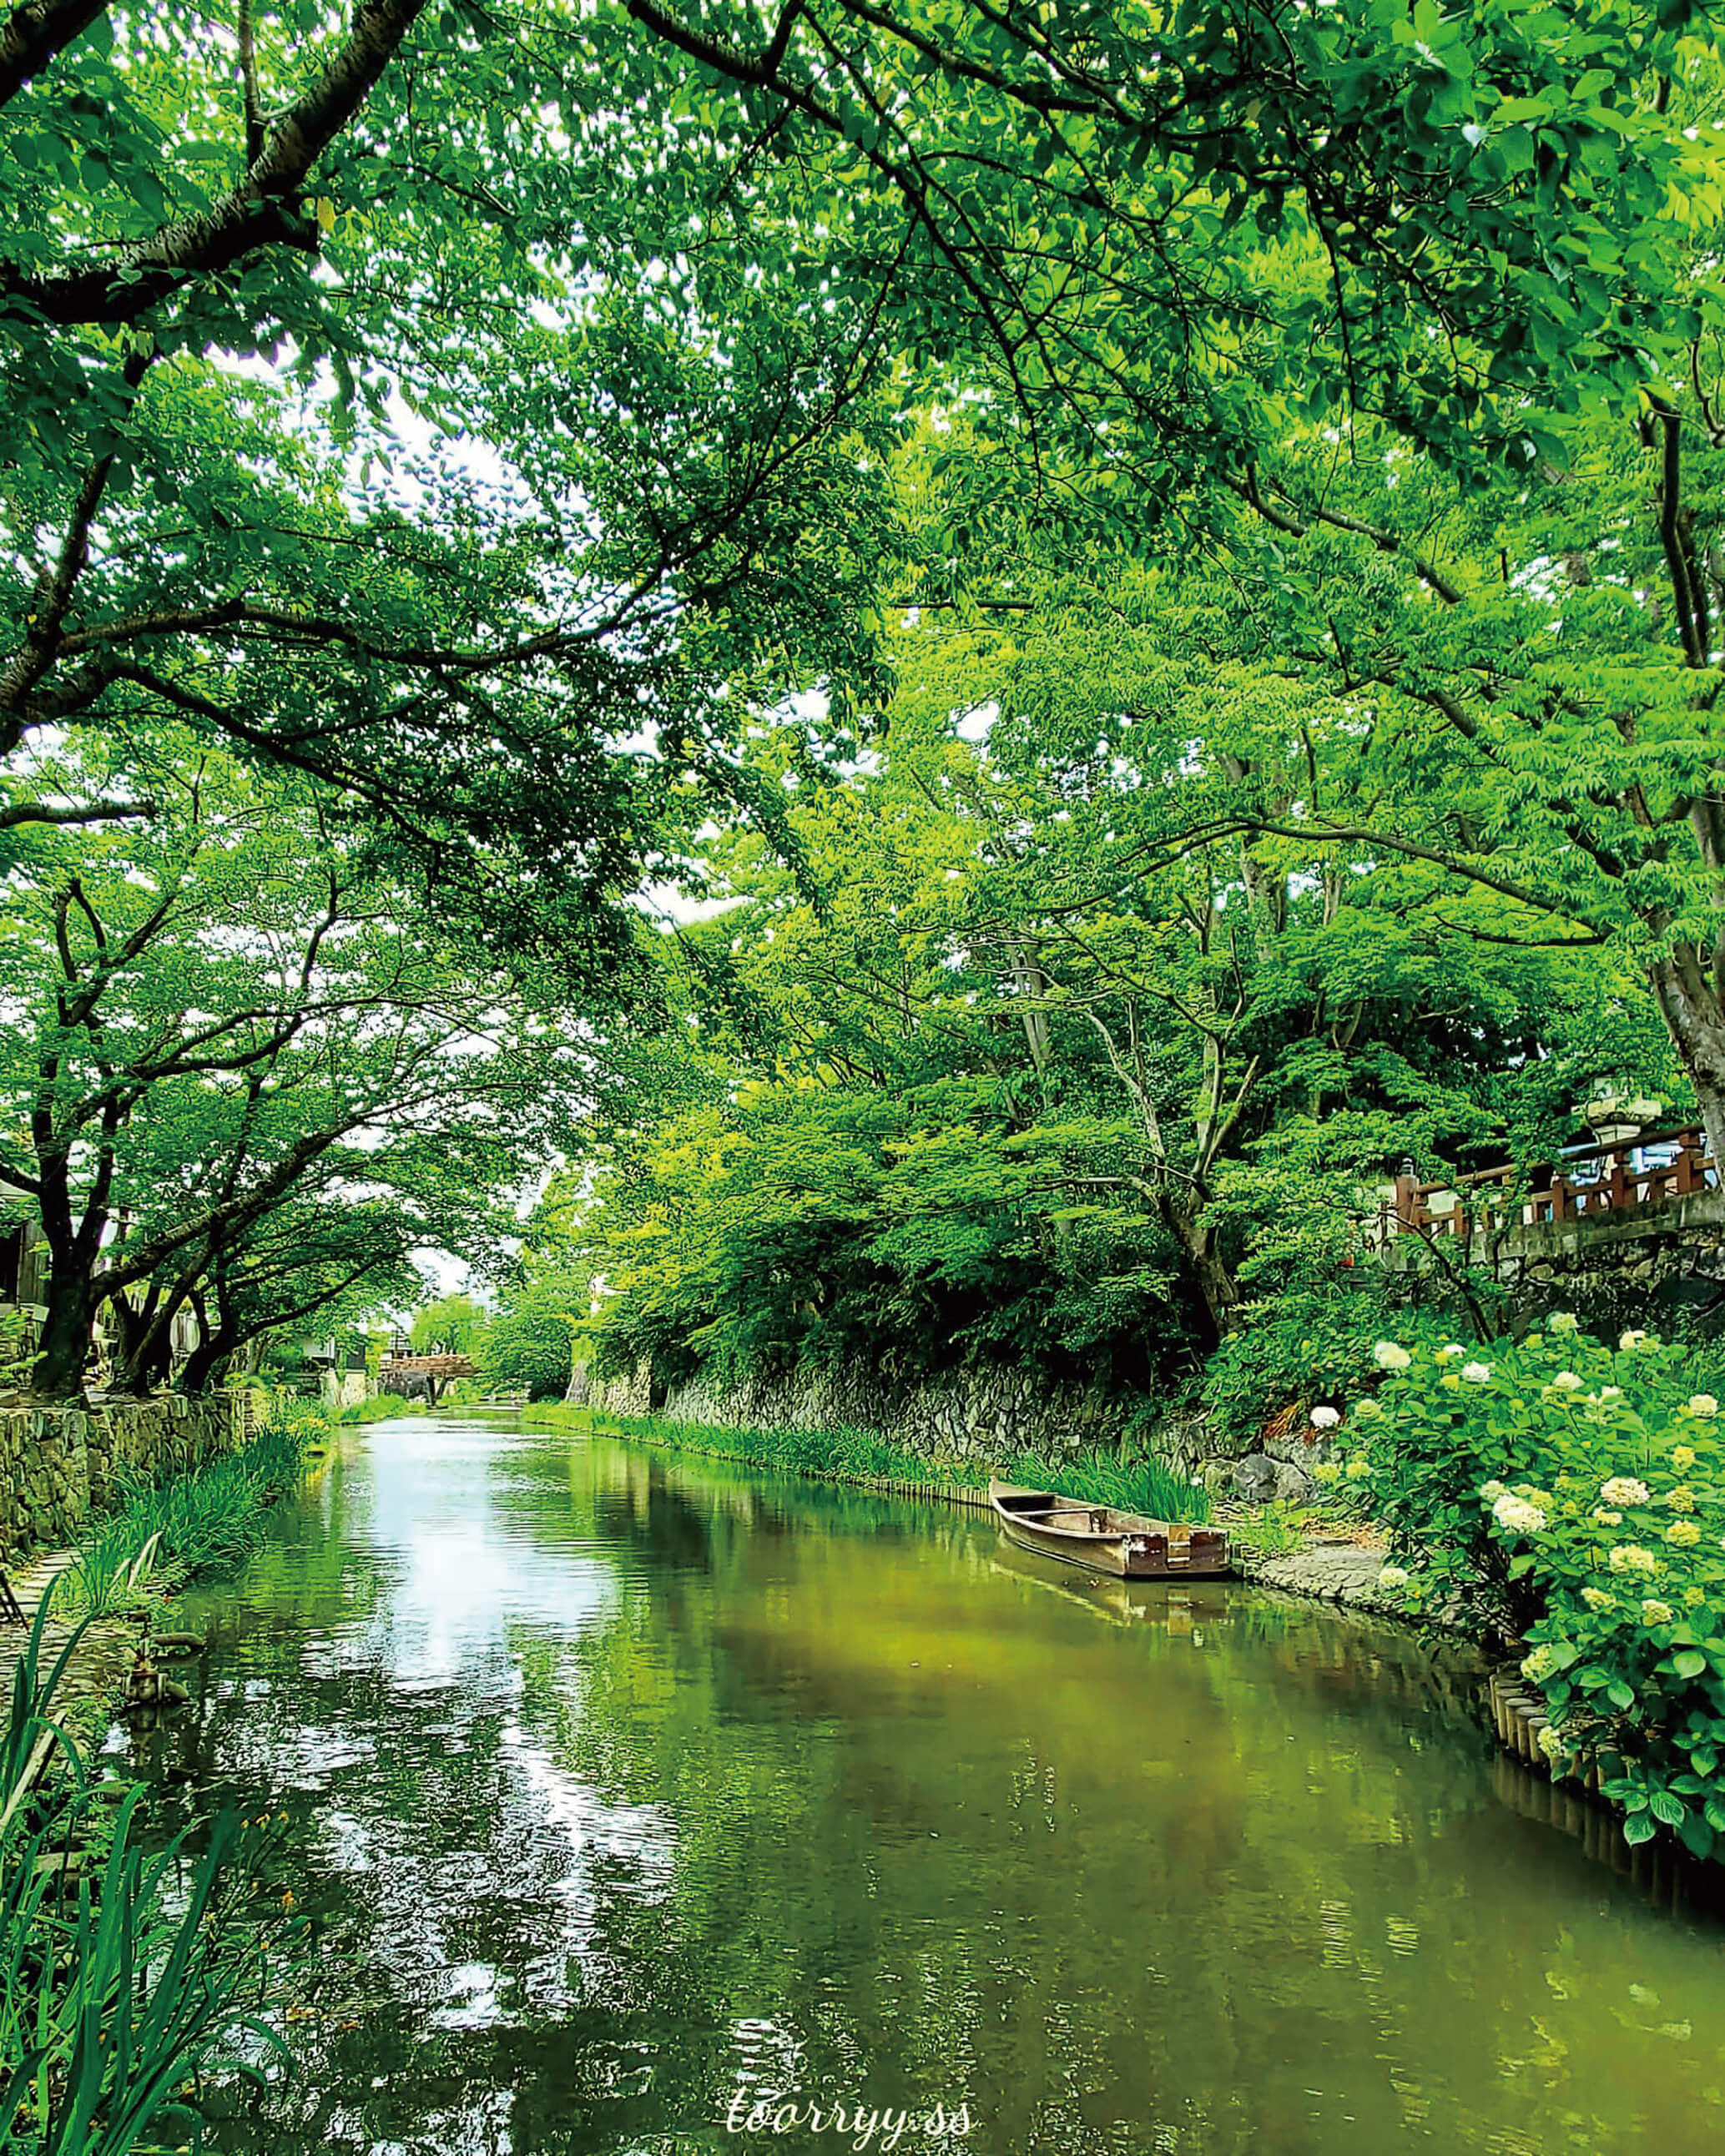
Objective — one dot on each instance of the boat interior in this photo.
(1092, 1520)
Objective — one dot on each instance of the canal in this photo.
(633, 1800)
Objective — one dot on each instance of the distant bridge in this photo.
(434, 1372)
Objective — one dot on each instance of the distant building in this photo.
(24, 1269)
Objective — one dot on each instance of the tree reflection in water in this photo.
(618, 1783)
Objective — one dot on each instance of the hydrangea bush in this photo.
(1578, 1489)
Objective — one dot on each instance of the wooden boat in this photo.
(1101, 1539)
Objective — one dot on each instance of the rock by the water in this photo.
(1256, 1478)
(1293, 1485)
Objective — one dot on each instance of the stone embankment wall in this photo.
(59, 1465)
(985, 1417)
(344, 1388)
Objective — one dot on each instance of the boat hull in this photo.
(1101, 1539)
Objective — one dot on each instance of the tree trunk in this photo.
(1690, 1004)
(1215, 1282)
(205, 1358)
(146, 1348)
(64, 1345)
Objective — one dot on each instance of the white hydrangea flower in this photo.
(1324, 1418)
(1491, 1491)
(1517, 1516)
(1392, 1575)
(1702, 1403)
(1626, 1490)
(1596, 1598)
(1563, 1320)
(1632, 1340)
(1551, 1743)
(1539, 1665)
(1682, 1458)
(1630, 1557)
(1655, 1612)
(1682, 1534)
(1566, 1381)
(1610, 1392)
(1679, 1499)
(1477, 1373)
(1389, 1357)
(1606, 1517)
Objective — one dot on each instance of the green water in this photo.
(625, 1790)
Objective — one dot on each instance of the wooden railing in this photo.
(1589, 1186)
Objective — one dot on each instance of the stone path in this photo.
(91, 1687)
(1334, 1572)
(33, 1582)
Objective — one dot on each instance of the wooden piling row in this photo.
(951, 1493)
(1657, 1869)
(1518, 1715)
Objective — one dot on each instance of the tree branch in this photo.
(255, 214)
(248, 86)
(38, 32)
(98, 812)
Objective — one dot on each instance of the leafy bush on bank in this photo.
(1579, 1488)
(1302, 1348)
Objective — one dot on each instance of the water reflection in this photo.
(622, 1786)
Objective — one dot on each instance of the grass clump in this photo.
(852, 1455)
(1273, 1530)
(384, 1408)
(112, 1993)
(164, 1533)
(1146, 1484)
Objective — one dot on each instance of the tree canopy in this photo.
(222, 1011)
(1158, 566)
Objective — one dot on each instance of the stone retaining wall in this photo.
(982, 1417)
(344, 1388)
(59, 1464)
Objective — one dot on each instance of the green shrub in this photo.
(1300, 1348)
(295, 1428)
(1580, 1488)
